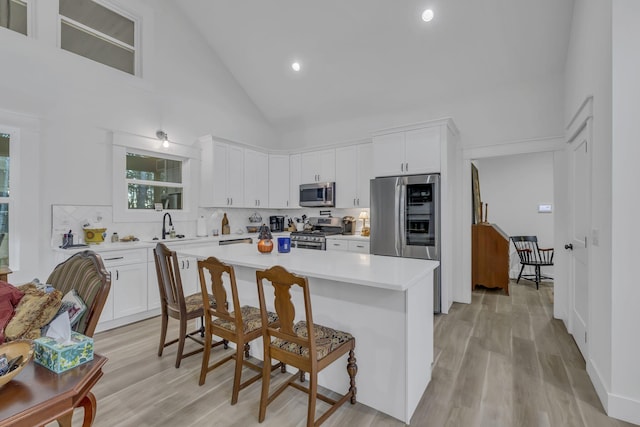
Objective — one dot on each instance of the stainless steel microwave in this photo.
(318, 194)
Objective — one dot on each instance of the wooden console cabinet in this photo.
(489, 257)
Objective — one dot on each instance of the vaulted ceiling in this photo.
(367, 57)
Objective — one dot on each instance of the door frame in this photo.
(555, 144)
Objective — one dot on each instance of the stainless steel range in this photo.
(316, 237)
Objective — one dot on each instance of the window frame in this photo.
(127, 143)
(14, 195)
(137, 38)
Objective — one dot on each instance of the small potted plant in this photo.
(265, 244)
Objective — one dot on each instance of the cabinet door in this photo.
(279, 181)
(235, 176)
(153, 291)
(129, 287)
(295, 179)
(422, 150)
(309, 167)
(364, 174)
(388, 154)
(359, 246)
(346, 177)
(218, 185)
(256, 184)
(107, 310)
(327, 166)
(337, 245)
(206, 172)
(189, 275)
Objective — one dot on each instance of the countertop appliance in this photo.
(276, 223)
(318, 194)
(348, 225)
(405, 220)
(316, 238)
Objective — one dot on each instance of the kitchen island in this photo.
(385, 302)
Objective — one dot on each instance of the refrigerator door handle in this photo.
(402, 220)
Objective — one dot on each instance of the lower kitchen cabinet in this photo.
(128, 293)
(345, 244)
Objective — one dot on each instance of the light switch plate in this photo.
(545, 208)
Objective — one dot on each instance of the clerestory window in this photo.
(100, 33)
(13, 15)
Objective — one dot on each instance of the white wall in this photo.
(488, 116)
(513, 187)
(186, 91)
(588, 72)
(625, 205)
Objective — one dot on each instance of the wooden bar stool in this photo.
(176, 305)
(240, 326)
(305, 345)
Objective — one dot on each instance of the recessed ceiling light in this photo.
(295, 66)
(427, 15)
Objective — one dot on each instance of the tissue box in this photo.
(62, 357)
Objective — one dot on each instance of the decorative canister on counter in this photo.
(284, 244)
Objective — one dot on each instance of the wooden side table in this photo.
(4, 272)
(38, 396)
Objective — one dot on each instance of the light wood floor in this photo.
(500, 361)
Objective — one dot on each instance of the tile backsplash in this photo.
(73, 217)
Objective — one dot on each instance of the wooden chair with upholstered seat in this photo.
(84, 272)
(175, 304)
(304, 345)
(241, 326)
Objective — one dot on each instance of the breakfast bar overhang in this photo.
(386, 303)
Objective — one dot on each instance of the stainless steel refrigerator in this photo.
(405, 220)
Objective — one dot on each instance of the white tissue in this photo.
(60, 329)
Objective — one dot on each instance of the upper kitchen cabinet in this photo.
(256, 184)
(318, 166)
(407, 152)
(279, 186)
(353, 172)
(222, 174)
(295, 179)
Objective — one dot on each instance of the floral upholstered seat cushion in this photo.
(251, 319)
(193, 302)
(327, 340)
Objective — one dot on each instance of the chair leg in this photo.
(301, 372)
(352, 370)
(264, 395)
(240, 350)
(183, 334)
(163, 333)
(520, 275)
(313, 391)
(537, 276)
(205, 359)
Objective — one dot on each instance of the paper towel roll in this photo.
(201, 227)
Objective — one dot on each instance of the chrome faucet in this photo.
(164, 227)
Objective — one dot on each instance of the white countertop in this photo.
(398, 274)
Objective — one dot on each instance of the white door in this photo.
(579, 225)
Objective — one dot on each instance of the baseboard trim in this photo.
(616, 406)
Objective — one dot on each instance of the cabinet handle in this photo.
(117, 274)
(358, 201)
(406, 167)
(401, 167)
(182, 264)
(359, 246)
(114, 258)
(188, 265)
(287, 203)
(336, 244)
(231, 201)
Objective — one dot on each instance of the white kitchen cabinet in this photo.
(295, 179)
(318, 166)
(189, 275)
(128, 294)
(222, 174)
(407, 152)
(256, 182)
(353, 172)
(359, 246)
(279, 186)
(347, 243)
